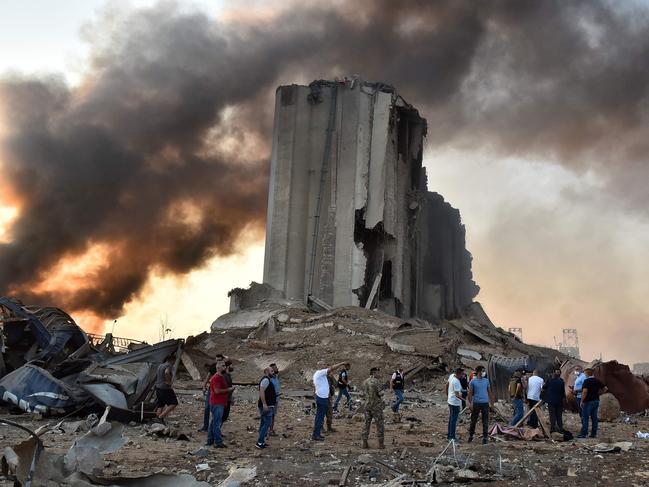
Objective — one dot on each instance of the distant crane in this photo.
(570, 343)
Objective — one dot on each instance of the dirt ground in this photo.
(411, 447)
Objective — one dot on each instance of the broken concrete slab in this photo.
(109, 442)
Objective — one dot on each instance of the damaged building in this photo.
(350, 220)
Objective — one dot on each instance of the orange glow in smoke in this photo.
(89, 322)
(73, 272)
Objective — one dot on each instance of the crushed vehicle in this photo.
(49, 365)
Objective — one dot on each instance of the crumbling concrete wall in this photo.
(348, 205)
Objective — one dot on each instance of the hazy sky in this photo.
(553, 245)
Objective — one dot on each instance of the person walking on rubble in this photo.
(165, 395)
(554, 395)
(591, 389)
(454, 390)
(330, 402)
(275, 380)
(534, 386)
(374, 406)
(219, 391)
(321, 384)
(397, 382)
(266, 405)
(343, 387)
(211, 370)
(516, 395)
(480, 400)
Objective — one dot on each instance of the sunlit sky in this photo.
(520, 217)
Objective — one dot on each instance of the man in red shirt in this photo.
(218, 399)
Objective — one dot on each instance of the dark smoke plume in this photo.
(161, 152)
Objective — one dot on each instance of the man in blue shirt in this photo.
(554, 395)
(579, 383)
(480, 399)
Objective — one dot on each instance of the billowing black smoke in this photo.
(174, 106)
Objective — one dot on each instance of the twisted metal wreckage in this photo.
(49, 365)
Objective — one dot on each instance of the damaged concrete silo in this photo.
(350, 220)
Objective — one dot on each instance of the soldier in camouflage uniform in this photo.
(373, 407)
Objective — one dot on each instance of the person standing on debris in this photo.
(554, 395)
(374, 406)
(343, 386)
(454, 388)
(465, 390)
(227, 374)
(275, 380)
(579, 383)
(321, 384)
(480, 400)
(516, 395)
(166, 397)
(219, 391)
(591, 389)
(534, 386)
(330, 402)
(266, 405)
(211, 370)
(397, 382)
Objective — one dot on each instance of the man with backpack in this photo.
(516, 394)
(343, 387)
(397, 382)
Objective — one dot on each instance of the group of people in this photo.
(472, 391)
(475, 393)
(372, 388)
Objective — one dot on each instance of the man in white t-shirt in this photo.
(454, 388)
(534, 386)
(321, 384)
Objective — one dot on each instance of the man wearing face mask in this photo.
(480, 399)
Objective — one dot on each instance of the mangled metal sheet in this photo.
(33, 389)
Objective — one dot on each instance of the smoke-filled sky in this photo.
(135, 138)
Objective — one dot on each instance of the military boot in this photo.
(365, 445)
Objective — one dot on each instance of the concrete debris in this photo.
(50, 365)
(238, 476)
(107, 442)
(620, 446)
(609, 407)
(643, 435)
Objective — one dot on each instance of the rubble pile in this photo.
(48, 365)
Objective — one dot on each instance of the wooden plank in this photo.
(528, 414)
(375, 288)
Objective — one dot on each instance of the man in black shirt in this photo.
(266, 405)
(228, 379)
(343, 387)
(590, 403)
(554, 394)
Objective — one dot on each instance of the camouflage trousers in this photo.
(377, 416)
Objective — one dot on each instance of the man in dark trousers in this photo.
(165, 395)
(266, 405)
(397, 382)
(480, 399)
(227, 374)
(218, 399)
(555, 394)
(590, 392)
(343, 387)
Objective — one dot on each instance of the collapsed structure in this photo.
(49, 365)
(350, 220)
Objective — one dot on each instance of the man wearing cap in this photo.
(321, 384)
